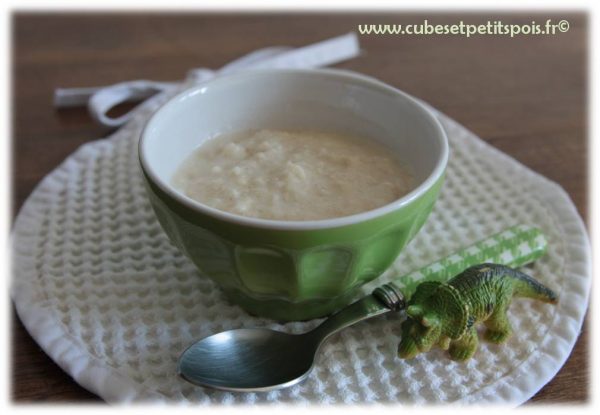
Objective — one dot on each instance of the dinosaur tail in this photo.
(526, 286)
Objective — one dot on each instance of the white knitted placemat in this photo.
(107, 296)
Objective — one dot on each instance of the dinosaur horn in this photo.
(414, 311)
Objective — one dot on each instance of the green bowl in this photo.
(292, 270)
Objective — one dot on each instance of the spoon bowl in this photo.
(243, 359)
(260, 359)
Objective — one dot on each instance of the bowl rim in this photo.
(307, 225)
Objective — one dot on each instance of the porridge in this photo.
(292, 175)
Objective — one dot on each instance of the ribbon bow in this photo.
(100, 100)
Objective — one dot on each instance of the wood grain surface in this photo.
(525, 96)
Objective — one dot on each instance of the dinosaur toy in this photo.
(445, 314)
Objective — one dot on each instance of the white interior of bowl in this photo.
(318, 100)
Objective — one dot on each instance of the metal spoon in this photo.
(260, 359)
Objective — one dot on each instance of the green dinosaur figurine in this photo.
(445, 314)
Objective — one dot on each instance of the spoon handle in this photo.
(514, 247)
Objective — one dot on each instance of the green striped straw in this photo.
(514, 247)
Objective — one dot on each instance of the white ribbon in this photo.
(100, 100)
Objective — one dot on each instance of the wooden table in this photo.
(525, 95)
